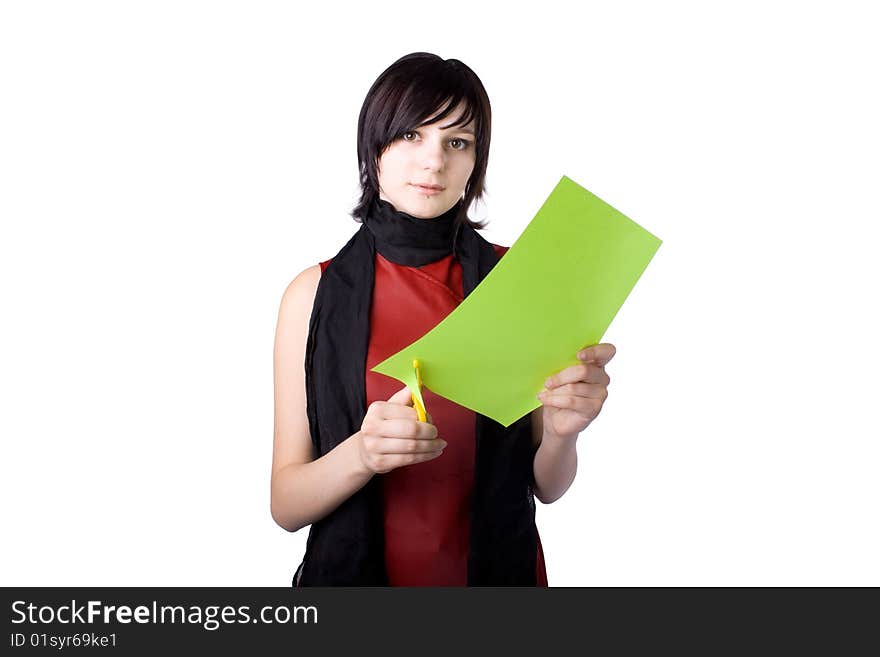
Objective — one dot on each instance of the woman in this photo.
(391, 500)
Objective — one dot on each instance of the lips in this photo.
(437, 188)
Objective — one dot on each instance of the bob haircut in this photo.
(401, 99)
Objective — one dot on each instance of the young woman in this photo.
(391, 500)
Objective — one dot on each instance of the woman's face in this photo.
(430, 155)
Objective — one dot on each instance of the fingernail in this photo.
(547, 383)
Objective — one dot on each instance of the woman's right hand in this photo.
(391, 435)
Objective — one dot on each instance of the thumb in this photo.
(402, 396)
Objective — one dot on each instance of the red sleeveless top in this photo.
(426, 505)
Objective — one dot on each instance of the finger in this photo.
(580, 389)
(402, 396)
(599, 353)
(392, 461)
(403, 428)
(380, 410)
(584, 372)
(587, 407)
(408, 446)
(390, 411)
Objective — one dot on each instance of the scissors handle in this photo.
(419, 408)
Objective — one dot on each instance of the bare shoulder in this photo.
(292, 441)
(300, 293)
(294, 314)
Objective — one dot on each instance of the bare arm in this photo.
(555, 464)
(304, 490)
(571, 401)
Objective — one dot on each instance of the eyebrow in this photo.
(469, 131)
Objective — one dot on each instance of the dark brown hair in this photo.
(401, 99)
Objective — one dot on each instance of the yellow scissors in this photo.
(419, 408)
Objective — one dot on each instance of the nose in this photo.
(433, 155)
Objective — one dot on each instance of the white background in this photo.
(166, 168)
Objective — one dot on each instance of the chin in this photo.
(421, 214)
(424, 208)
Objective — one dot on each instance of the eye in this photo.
(464, 143)
(406, 134)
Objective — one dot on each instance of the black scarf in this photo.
(346, 548)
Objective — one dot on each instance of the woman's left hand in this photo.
(573, 397)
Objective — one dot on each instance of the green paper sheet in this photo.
(553, 293)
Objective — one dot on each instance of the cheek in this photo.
(391, 166)
(466, 168)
